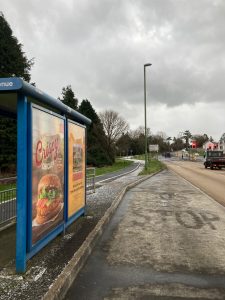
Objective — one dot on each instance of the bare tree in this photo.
(140, 131)
(162, 135)
(114, 126)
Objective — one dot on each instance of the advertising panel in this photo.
(76, 175)
(47, 173)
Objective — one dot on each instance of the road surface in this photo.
(212, 182)
(113, 175)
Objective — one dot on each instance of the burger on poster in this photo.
(49, 202)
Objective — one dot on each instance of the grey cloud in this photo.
(100, 47)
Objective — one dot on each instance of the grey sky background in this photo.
(99, 48)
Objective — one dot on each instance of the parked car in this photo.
(167, 154)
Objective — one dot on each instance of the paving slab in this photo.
(166, 241)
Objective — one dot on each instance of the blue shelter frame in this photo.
(17, 98)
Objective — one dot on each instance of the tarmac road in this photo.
(212, 182)
(113, 175)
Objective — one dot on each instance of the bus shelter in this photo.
(51, 165)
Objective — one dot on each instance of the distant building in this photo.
(210, 146)
(222, 147)
(222, 143)
(194, 144)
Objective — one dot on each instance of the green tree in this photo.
(161, 140)
(211, 139)
(8, 145)
(137, 143)
(222, 139)
(168, 140)
(96, 138)
(68, 97)
(123, 145)
(13, 62)
(187, 135)
(200, 139)
(177, 144)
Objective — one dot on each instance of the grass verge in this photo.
(6, 193)
(9, 186)
(154, 165)
(118, 165)
(139, 156)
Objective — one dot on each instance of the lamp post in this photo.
(146, 149)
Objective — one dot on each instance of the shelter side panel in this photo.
(76, 168)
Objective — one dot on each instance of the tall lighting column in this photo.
(146, 146)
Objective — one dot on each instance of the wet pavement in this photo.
(165, 241)
(7, 247)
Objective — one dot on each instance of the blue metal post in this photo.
(21, 226)
(66, 170)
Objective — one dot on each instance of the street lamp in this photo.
(146, 149)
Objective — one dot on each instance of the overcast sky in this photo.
(99, 47)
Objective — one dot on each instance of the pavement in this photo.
(165, 241)
(46, 269)
(160, 239)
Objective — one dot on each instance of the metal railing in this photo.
(8, 180)
(8, 197)
(7, 205)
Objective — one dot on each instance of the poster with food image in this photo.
(76, 176)
(47, 173)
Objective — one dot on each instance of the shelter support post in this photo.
(22, 178)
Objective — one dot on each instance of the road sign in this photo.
(153, 148)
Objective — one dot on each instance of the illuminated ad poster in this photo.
(76, 176)
(47, 173)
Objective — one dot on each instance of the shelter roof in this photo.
(10, 87)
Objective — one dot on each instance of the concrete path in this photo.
(166, 241)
